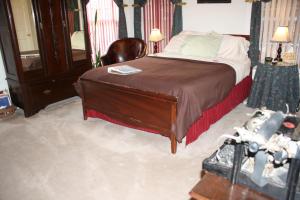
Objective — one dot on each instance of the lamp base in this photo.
(279, 50)
(155, 48)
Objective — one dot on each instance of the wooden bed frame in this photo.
(133, 107)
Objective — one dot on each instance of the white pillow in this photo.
(77, 40)
(177, 41)
(175, 44)
(233, 48)
(203, 46)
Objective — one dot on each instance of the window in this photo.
(280, 13)
(105, 30)
(158, 14)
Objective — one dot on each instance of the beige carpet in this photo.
(57, 155)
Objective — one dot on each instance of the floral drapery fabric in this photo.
(255, 33)
(138, 17)
(177, 17)
(122, 19)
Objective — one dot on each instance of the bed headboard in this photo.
(247, 37)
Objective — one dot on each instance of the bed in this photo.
(174, 96)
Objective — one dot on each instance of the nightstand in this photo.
(274, 86)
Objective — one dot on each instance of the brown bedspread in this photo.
(197, 85)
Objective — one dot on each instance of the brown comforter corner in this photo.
(197, 85)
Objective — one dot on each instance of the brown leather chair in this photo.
(124, 50)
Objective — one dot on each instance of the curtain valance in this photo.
(177, 17)
(138, 4)
(255, 32)
(122, 19)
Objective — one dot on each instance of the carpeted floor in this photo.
(57, 155)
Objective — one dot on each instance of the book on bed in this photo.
(123, 70)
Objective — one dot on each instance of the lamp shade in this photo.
(156, 35)
(281, 34)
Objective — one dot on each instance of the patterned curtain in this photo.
(255, 32)
(138, 17)
(298, 53)
(122, 19)
(177, 18)
(158, 14)
(105, 30)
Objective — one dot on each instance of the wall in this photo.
(3, 83)
(222, 18)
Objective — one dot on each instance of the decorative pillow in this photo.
(175, 44)
(177, 41)
(77, 40)
(233, 48)
(204, 46)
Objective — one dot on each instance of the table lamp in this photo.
(155, 37)
(281, 35)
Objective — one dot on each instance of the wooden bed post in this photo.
(172, 134)
(84, 113)
(81, 87)
(173, 143)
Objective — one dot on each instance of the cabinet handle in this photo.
(46, 92)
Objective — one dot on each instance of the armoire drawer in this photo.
(52, 91)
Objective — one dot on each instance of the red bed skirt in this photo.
(238, 94)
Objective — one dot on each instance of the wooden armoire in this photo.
(45, 48)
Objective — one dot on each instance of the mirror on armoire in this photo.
(76, 29)
(26, 34)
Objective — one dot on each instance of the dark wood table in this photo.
(213, 187)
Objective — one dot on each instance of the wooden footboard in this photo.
(131, 106)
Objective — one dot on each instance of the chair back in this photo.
(126, 49)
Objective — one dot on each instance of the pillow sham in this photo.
(175, 44)
(204, 46)
(177, 41)
(233, 48)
